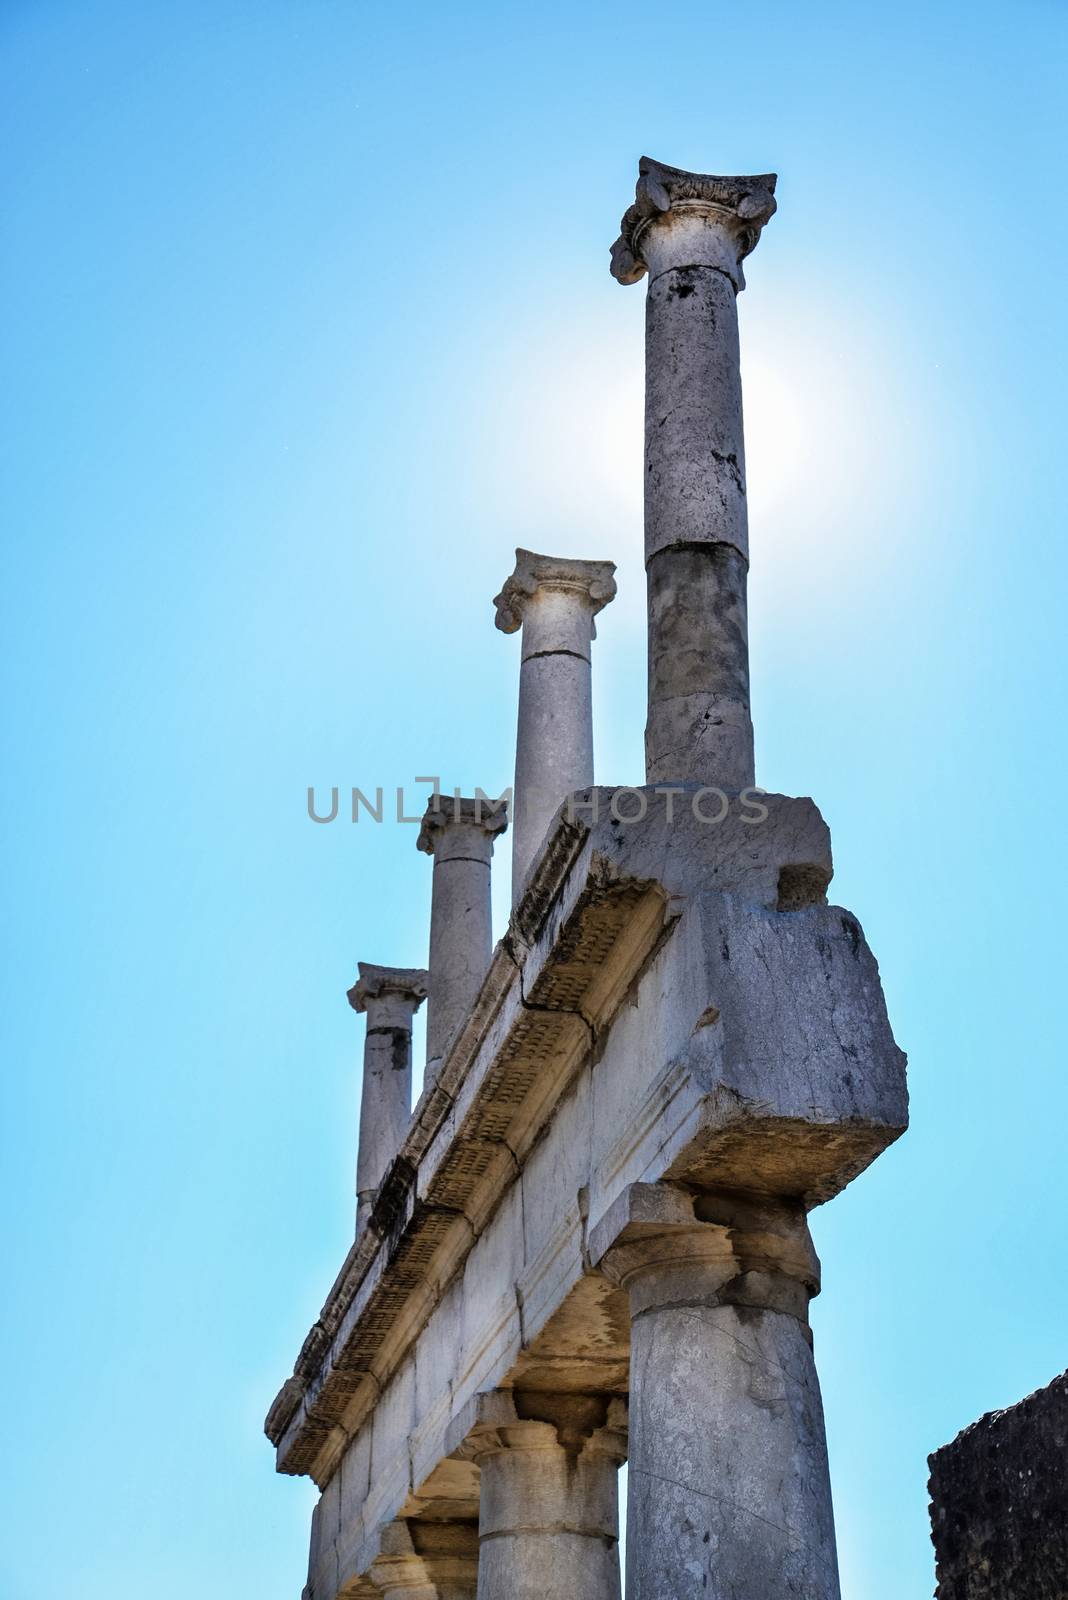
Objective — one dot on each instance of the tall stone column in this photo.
(548, 1506)
(390, 997)
(728, 1492)
(554, 601)
(459, 834)
(424, 1560)
(690, 233)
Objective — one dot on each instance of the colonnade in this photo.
(729, 1493)
(722, 1424)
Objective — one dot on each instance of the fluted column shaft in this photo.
(459, 834)
(728, 1494)
(548, 1515)
(554, 600)
(390, 997)
(690, 232)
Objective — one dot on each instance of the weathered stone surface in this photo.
(699, 667)
(554, 600)
(768, 850)
(999, 1503)
(690, 232)
(695, 491)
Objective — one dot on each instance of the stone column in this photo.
(690, 233)
(554, 601)
(390, 996)
(424, 1560)
(548, 1508)
(459, 834)
(728, 1490)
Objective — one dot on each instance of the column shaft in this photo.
(690, 232)
(390, 997)
(554, 599)
(554, 744)
(385, 1108)
(459, 835)
(728, 1492)
(460, 943)
(548, 1515)
(696, 531)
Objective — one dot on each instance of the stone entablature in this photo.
(772, 1065)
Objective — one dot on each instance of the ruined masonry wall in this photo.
(999, 1503)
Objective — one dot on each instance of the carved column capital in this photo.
(590, 583)
(682, 219)
(452, 825)
(579, 1424)
(424, 1560)
(668, 1245)
(406, 985)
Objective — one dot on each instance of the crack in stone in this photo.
(796, 1543)
(696, 266)
(547, 1527)
(539, 655)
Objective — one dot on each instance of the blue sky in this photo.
(308, 323)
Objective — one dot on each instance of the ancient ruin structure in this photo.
(588, 1242)
(999, 1503)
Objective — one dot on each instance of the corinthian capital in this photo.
(729, 213)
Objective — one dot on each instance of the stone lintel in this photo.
(374, 982)
(743, 205)
(592, 582)
(453, 811)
